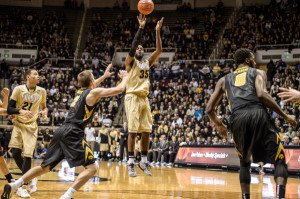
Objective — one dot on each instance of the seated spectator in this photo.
(170, 154)
(41, 152)
(153, 152)
(163, 147)
(285, 140)
(295, 142)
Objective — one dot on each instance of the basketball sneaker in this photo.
(131, 170)
(22, 192)
(145, 167)
(32, 185)
(65, 197)
(7, 192)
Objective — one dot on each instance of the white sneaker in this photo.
(157, 163)
(22, 192)
(32, 185)
(65, 197)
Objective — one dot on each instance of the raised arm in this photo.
(155, 55)
(211, 105)
(266, 98)
(97, 93)
(106, 74)
(136, 41)
(5, 94)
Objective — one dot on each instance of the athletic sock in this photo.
(131, 157)
(144, 156)
(70, 192)
(280, 193)
(18, 183)
(246, 195)
(8, 177)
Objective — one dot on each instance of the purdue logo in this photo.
(31, 98)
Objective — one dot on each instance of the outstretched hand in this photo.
(289, 94)
(159, 24)
(142, 20)
(123, 73)
(107, 72)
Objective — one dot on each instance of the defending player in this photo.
(253, 130)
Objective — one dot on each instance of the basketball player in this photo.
(136, 102)
(24, 103)
(3, 111)
(68, 141)
(253, 130)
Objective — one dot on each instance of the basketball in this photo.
(145, 6)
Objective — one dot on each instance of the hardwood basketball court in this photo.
(113, 182)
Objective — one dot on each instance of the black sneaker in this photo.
(6, 192)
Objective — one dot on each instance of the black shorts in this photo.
(68, 142)
(255, 134)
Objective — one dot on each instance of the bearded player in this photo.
(136, 102)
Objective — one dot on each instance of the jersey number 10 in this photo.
(240, 79)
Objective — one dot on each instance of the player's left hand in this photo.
(159, 24)
(289, 94)
(107, 72)
(5, 92)
(222, 129)
(292, 120)
(43, 114)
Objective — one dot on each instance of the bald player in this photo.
(136, 102)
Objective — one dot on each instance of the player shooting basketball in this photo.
(136, 102)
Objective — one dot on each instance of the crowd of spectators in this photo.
(105, 36)
(276, 23)
(27, 27)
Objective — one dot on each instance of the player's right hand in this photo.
(5, 92)
(123, 73)
(27, 114)
(292, 120)
(222, 129)
(142, 20)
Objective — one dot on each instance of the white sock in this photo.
(131, 160)
(18, 183)
(144, 159)
(70, 192)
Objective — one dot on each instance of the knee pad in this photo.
(281, 169)
(245, 173)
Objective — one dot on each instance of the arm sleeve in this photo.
(11, 108)
(135, 42)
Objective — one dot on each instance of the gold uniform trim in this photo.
(279, 152)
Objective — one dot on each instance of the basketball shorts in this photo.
(255, 133)
(24, 136)
(138, 113)
(68, 143)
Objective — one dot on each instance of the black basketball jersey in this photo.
(80, 113)
(240, 88)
